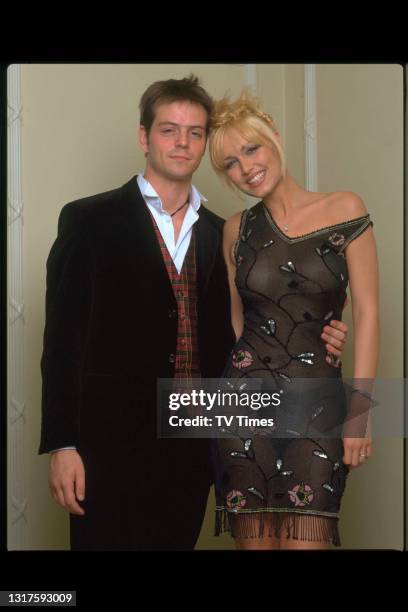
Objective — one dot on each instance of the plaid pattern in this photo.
(187, 358)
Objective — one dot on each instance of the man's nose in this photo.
(182, 138)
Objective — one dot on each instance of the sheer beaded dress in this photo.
(290, 289)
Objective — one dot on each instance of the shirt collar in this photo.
(152, 197)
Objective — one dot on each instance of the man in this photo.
(136, 290)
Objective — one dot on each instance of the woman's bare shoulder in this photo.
(345, 206)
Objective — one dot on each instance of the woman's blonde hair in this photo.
(247, 117)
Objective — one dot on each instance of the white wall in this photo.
(360, 148)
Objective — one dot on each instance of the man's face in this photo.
(176, 142)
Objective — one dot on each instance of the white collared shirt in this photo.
(164, 221)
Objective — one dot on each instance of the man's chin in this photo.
(180, 176)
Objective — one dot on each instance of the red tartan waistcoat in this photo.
(187, 358)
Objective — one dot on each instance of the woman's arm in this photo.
(362, 263)
(230, 236)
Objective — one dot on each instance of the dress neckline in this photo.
(316, 232)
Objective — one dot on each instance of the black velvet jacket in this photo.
(111, 320)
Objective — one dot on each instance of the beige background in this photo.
(79, 137)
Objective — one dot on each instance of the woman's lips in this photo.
(257, 178)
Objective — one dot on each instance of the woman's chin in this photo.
(256, 192)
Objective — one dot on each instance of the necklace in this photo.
(284, 225)
(180, 207)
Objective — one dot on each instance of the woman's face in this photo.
(254, 168)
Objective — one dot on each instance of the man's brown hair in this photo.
(174, 90)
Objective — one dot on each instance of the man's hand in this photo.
(335, 336)
(67, 480)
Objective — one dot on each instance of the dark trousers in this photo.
(151, 500)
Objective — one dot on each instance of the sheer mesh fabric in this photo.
(290, 289)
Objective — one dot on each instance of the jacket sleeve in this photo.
(68, 311)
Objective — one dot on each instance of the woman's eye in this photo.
(230, 164)
(252, 149)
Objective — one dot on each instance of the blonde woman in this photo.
(290, 259)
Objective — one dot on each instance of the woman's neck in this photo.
(286, 198)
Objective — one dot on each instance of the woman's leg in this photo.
(270, 541)
(292, 544)
(306, 533)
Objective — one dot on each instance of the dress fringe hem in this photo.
(303, 527)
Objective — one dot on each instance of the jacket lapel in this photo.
(208, 238)
(141, 229)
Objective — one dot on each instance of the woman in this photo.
(289, 258)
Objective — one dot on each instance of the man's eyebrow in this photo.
(202, 127)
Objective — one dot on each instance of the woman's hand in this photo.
(356, 451)
(335, 335)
